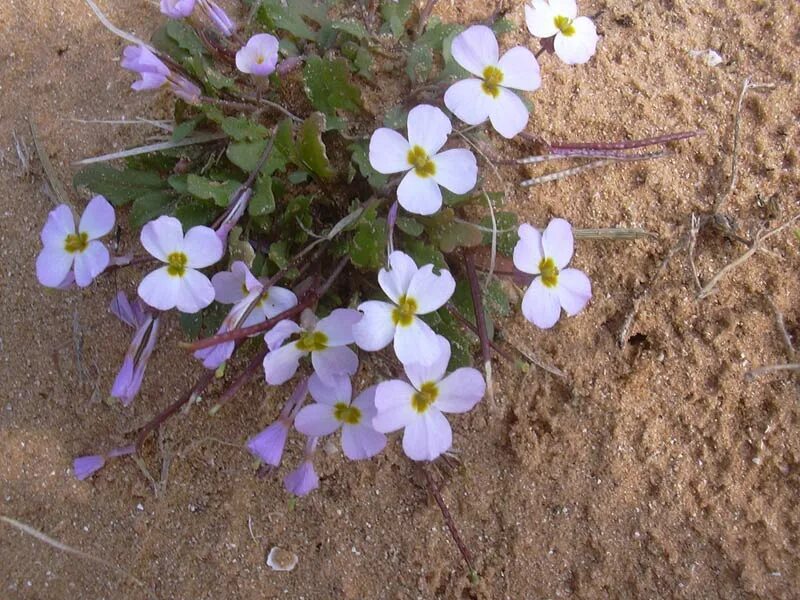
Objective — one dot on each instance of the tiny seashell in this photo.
(279, 559)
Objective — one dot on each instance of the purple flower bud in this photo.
(234, 212)
(85, 466)
(130, 376)
(185, 89)
(177, 9)
(287, 65)
(269, 444)
(304, 478)
(218, 16)
(147, 65)
(122, 451)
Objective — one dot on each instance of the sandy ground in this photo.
(654, 471)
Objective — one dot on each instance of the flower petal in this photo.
(121, 308)
(528, 252)
(85, 466)
(276, 336)
(227, 287)
(540, 305)
(52, 265)
(475, 49)
(558, 242)
(456, 170)
(316, 420)
(429, 290)
(195, 292)
(388, 151)
(574, 290)
(467, 100)
(419, 374)
(520, 70)
(202, 247)
(393, 405)
(268, 444)
(376, 328)
(98, 218)
(162, 237)
(278, 300)
(334, 362)
(159, 289)
(360, 442)
(90, 263)
(579, 47)
(540, 19)
(427, 436)
(566, 8)
(331, 392)
(460, 391)
(428, 127)
(59, 224)
(281, 364)
(416, 343)
(338, 326)
(419, 195)
(509, 114)
(303, 480)
(395, 280)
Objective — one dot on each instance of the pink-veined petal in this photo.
(579, 47)
(276, 336)
(520, 70)
(395, 280)
(98, 218)
(460, 391)
(202, 247)
(574, 290)
(316, 420)
(558, 242)
(419, 374)
(330, 392)
(59, 224)
(528, 250)
(540, 19)
(278, 300)
(429, 290)
(281, 364)
(388, 151)
(419, 195)
(416, 343)
(90, 263)
(541, 305)
(334, 362)
(360, 442)
(509, 114)
(376, 328)
(475, 49)
(162, 237)
(428, 127)
(456, 170)
(160, 290)
(393, 406)
(338, 326)
(195, 292)
(467, 100)
(52, 265)
(427, 436)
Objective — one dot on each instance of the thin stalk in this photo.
(480, 319)
(243, 378)
(628, 144)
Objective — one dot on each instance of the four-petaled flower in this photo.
(418, 407)
(259, 56)
(475, 100)
(546, 255)
(428, 128)
(179, 283)
(334, 408)
(326, 340)
(153, 74)
(575, 37)
(67, 248)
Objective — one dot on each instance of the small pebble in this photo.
(279, 559)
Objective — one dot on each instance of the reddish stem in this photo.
(477, 303)
(243, 378)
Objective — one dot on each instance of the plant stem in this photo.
(628, 144)
(243, 378)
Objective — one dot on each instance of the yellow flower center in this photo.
(403, 315)
(313, 341)
(346, 413)
(492, 78)
(564, 25)
(176, 264)
(422, 163)
(76, 242)
(422, 399)
(260, 60)
(549, 271)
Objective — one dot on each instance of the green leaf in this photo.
(279, 254)
(242, 129)
(328, 85)
(396, 118)
(118, 187)
(196, 212)
(503, 25)
(207, 189)
(185, 128)
(425, 254)
(245, 155)
(360, 156)
(410, 226)
(311, 152)
(291, 16)
(420, 62)
(507, 232)
(450, 234)
(185, 37)
(495, 299)
(396, 14)
(179, 183)
(263, 200)
(351, 27)
(149, 206)
(368, 245)
(239, 248)
(462, 343)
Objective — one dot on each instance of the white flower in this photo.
(575, 37)
(179, 283)
(475, 100)
(428, 128)
(413, 292)
(417, 408)
(231, 287)
(547, 254)
(67, 248)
